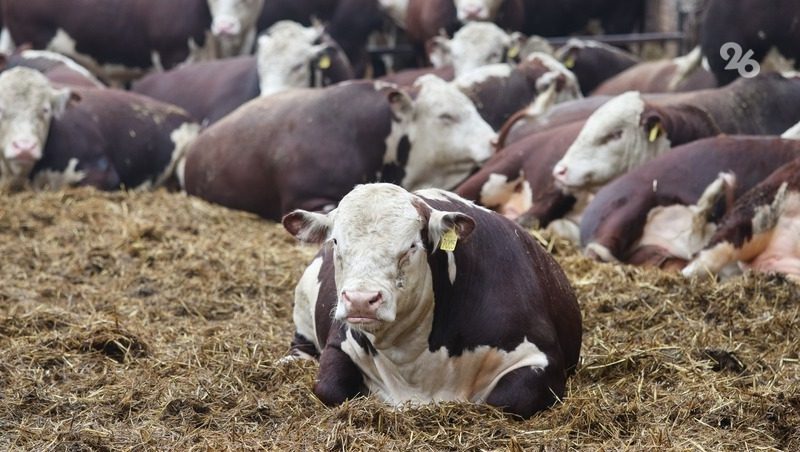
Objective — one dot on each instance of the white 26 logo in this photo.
(745, 64)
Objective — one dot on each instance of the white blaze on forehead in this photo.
(476, 44)
(479, 10)
(448, 136)
(612, 142)
(284, 56)
(27, 105)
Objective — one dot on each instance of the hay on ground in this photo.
(154, 321)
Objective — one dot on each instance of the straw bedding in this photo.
(155, 321)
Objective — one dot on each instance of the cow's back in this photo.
(208, 90)
(298, 149)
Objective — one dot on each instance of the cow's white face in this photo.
(615, 139)
(477, 10)
(474, 45)
(27, 105)
(381, 236)
(232, 18)
(288, 53)
(448, 137)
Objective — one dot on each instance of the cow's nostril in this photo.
(560, 170)
(376, 299)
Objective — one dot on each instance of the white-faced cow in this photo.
(499, 90)
(54, 137)
(761, 232)
(308, 148)
(288, 56)
(120, 40)
(664, 211)
(479, 44)
(423, 297)
(630, 130)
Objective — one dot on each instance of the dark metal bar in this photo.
(559, 41)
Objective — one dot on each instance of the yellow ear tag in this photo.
(324, 62)
(655, 132)
(449, 240)
(513, 52)
(570, 62)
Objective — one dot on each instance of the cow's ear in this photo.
(438, 49)
(308, 227)
(60, 98)
(442, 225)
(401, 103)
(653, 125)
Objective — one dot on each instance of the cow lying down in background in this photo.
(54, 136)
(425, 297)
(760, 233)
(664, 211)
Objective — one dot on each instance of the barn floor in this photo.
(154, 321)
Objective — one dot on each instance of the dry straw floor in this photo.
(154, 321)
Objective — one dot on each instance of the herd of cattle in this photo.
(277, 108)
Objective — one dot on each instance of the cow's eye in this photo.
(334, 242)
(447, 118)
(615, 135)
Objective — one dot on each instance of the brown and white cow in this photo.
(664, 211)
(761, 232)
(54, 137)
(288, 56)
(121, 40)
(308, 148)
(479, 44)
(424, 297)
(537, 83)
(684, 73)
(593, 62)
(630, 130)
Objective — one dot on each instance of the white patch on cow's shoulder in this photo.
(182, 137)
(711, 261)
(481, 74)
(497, 189)
(305, 302)
(66, 61)
(672, 229)
(436, 376)
(57, 180)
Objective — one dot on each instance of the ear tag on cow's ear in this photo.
(655, 132)
(449, 240)
(324, 62)
(513, 52)
(570, 62)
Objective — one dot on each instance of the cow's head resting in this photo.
(474, 45)
(28, 102)
(617, 137)
(231, 18)
(446, 136)
(477, 10)
(292, 56)
(381, 237)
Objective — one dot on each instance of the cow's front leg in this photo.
(339, 378)
(526, 391)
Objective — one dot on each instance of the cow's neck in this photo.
(687, 123)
